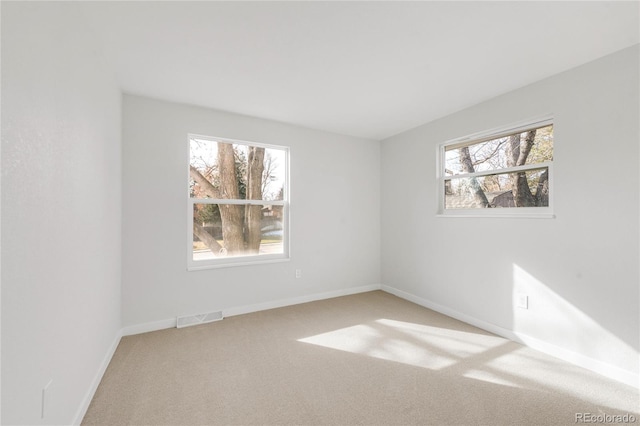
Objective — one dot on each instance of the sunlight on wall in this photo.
(551, 318)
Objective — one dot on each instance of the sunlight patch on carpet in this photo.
(489, 377)
(408, 343)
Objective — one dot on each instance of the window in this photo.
(504, 172)
(238, 202)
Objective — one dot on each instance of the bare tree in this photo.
(253, 213)
(268, 172)
(241, 225)
(467, 165)
(509, 151)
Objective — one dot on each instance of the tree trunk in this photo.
(517, 153)
(522, 196)
(513, 150)
(542, 191)
(231, 214)
(253, 214)
(198, 230)
(529, 140)
(207, 239)
(206, 186)
(467, 165)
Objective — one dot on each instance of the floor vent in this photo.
(188, 320)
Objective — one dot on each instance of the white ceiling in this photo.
(368, 69)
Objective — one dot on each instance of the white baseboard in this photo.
(297, 300)
(84, 406)
(600, 367)
(452, 313)
(149, 326)
(229, 312)
(607, 370)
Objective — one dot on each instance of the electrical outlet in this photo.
(522, 301)
(298, 273)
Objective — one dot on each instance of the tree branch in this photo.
(206, 186)
(207, 239)
(490, 156)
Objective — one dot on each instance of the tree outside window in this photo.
(505, 170)
(237, 200)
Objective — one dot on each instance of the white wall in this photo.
(580, 269)
(335, 215)
(61, 199)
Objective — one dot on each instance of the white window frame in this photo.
(522, 212)
(222, 262)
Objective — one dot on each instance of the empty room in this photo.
(306, 213)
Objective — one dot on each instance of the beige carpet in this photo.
(371, 359)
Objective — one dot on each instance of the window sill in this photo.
(200, 266)
(500, 215)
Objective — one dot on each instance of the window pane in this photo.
(232, 230)
(274, 177)
(223, 170)
(522, 189)
(530, 147)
